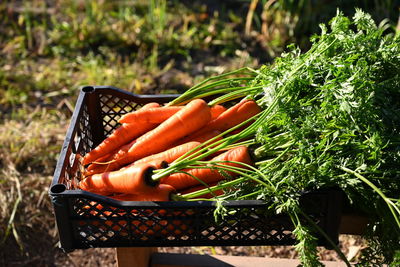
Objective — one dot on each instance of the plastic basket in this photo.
(86, 220)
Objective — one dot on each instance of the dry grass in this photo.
(33, 137)
(29, 147)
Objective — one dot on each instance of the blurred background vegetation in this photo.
(50, 48)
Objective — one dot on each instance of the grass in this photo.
(50, 48)
(123, 44)
(29, 145)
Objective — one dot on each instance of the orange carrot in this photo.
(206, 136)
(122, 135)
(158, 159)
(189, 119)
(161, 192)
(103, 166)
(200, 187)
(233, 116)
(150, 105)
(160, 114)
(183, 180)
(171, 154)
(96, 165)
(104, 158)
(216, 110)
(196, 137)
(132, 180)
(152, 115)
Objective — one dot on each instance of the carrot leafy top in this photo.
(331, 117)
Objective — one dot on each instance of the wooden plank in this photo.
(186, 260)
(193, 260)
(144, 257)
(353, 224)
(134, 257)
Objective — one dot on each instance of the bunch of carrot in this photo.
(155, 136)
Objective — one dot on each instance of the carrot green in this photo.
(330, 117)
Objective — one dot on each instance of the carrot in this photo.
(196, 137)
(200, 187)
(161, 192)
(182, 180)
(104, 158)
(158, 160)
(216, 110)
(171, 154)
(189, 119)
(206, 136)
(102, 164)
(150, 105)
(123, 150)
(95, 167)
(122, 135)
(233, 116)
(132, 180)
(160, 114)
(152, 115)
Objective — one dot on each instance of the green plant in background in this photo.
(141, 39)
(157, 23)
(279, 22)
(147, 38)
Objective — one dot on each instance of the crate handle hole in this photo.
(88, 89)
(58, 188)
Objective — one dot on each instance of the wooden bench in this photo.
(149, 257)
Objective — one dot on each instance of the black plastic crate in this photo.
(87, 220)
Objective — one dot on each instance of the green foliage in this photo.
(336, 107)
(285, 21)
(330, 118)
(129, 29)
(52, 48)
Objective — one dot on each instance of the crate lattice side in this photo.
(95, 221)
